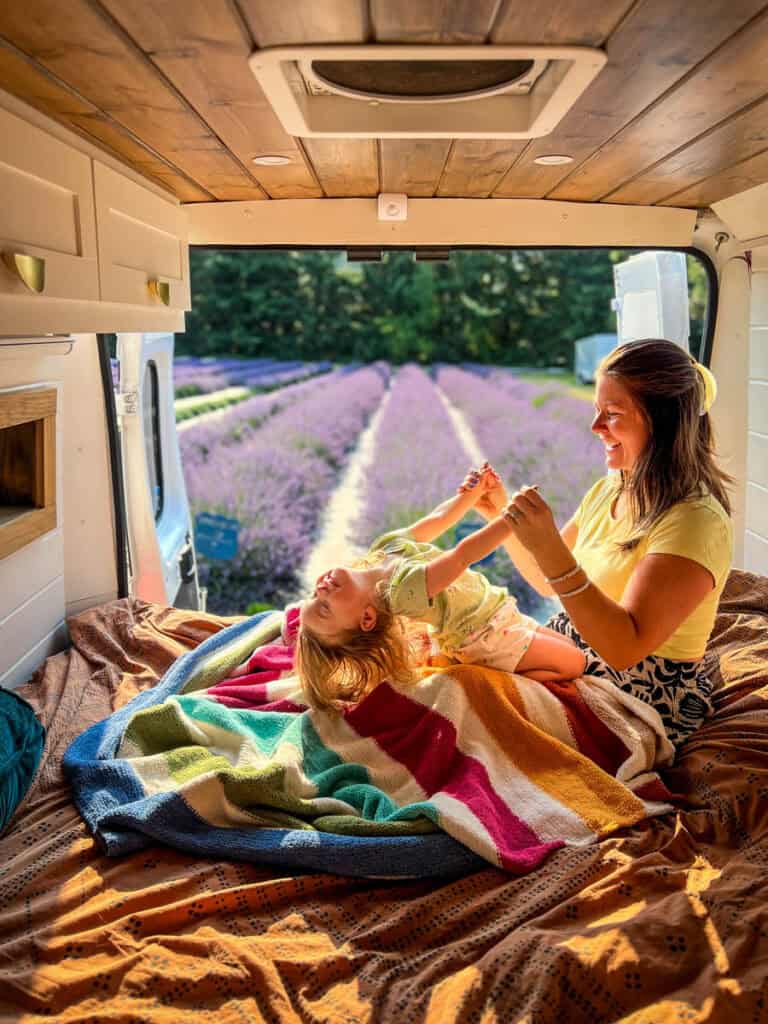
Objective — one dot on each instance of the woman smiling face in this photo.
(620, 423)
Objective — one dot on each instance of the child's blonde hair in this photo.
(343, 670)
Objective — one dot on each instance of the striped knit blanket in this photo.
(510, 768)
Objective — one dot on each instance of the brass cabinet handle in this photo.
(29, 269)
(159, 290)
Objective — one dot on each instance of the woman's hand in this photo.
(533, 524)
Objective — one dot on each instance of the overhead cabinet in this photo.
(47, 216)
(84, 247)
(142, 244)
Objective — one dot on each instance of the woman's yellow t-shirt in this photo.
(699, 529)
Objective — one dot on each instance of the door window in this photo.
(151, 413)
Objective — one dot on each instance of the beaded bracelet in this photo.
(565, 575)
(578, 590)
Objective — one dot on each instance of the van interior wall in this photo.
(73, 566)
(730, 362)
(735, 236)
(756, 518)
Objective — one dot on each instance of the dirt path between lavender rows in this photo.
(334, 546)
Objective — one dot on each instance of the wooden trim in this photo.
(25, 405)
(21, 315)
(25, 528)
(468, 222)
(39, 466)
(37, 406)
(49, 462)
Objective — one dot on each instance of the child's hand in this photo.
(489, 478)
(493, 497)
(470, 482)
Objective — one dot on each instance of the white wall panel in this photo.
(28, 570)
(89, 552)
(758, 353)
(756, 553)
(757, 509)
(26, 625)
(72, 567)
(756, 535)
(758, 406)
(32, 578)
(757, 459)
(730, 363)
(51, 643)
(759, 295)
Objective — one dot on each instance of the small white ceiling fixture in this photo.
(428, 92)
(554, 158)
(270, 160)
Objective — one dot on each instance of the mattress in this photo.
(666, 920)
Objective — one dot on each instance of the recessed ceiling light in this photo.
(556, 158)
(271, 161)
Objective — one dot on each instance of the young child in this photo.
(353, 631)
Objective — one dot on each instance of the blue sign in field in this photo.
(216, 536)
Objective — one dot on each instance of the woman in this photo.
(640, 566)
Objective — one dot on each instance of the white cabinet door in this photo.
(143, 252)
(159, 528)
(46, 211)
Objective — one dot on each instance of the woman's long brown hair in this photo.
(678, 462)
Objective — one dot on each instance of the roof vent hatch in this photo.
(473, 92)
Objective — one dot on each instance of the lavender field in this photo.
(273, 461)
(193, 375)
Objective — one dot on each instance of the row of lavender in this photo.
(272, 462)
(202, 376)
(197, 376)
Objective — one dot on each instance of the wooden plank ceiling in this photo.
(678, 117)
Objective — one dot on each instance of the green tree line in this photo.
(503, 307)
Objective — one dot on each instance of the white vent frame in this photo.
(510, 113)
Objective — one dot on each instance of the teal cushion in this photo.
(21, 747)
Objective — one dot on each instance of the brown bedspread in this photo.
(667, 921)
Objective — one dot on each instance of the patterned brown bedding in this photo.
(666, 921)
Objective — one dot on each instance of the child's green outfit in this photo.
(470, 620)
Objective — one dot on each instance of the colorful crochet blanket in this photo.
(510, 768)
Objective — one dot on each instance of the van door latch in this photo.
(127, 403)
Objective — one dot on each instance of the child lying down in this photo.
(358, 625)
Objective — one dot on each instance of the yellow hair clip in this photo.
(710, 387)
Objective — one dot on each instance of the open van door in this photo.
(161, 550)
(652, 298)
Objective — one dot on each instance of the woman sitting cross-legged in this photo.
(640, 566)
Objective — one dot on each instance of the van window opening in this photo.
(404, 372)
(546, 279)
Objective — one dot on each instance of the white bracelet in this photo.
(565, 576)
(578, 590)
